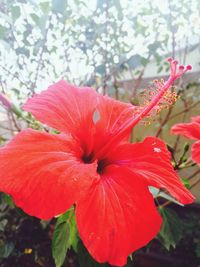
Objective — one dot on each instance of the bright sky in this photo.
(78, 66)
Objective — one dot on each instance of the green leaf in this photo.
(16, 12)
(134, 61)
(183, 157)
(40, 21)
(101, 69)
(3, 224)
(84, 258)
(153, 47)
(172, 228)
(160, 69)
(65, 236)
(6, 249)
(35, 18)
(186, 183)
(144, 61)
(8, 200)
(45, 7)
(23, 51)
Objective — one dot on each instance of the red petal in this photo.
(66, 108)
(151, 159)
(196, 152)
(88, 116)
(113, 114)
(44, 173)
(189, 130)
(117, 216)
(196, 119)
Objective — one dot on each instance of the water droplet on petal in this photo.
(156, 149)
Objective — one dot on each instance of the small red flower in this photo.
(92, 165)
(192, 131)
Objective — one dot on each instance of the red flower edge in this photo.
(192, 131)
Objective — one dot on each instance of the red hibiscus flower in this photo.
(92, 165)
(192, 131)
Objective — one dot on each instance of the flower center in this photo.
(101, 164)
(88, 158)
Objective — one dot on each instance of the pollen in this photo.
(168, 99)
(28, 250)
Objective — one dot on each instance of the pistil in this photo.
(175, 72)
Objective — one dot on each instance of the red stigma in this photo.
(189, 67)
(181, 67)
(175, 70)
(169, 59)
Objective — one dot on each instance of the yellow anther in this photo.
(28, 250)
